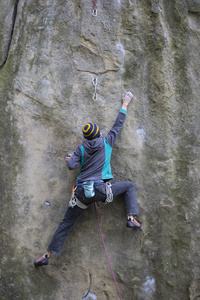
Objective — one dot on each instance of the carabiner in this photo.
(74, 188)
(94, 12)
(95, 97)
(94, 81)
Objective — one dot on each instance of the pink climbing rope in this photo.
(94, 13)
(95, 5)
(107, 252)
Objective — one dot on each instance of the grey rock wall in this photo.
(50, 52)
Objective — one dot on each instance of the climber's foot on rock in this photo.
(44, 260)
(133, 223)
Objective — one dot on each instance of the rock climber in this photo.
(93, 182)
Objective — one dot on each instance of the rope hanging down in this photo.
(107, 252)
(94, 12)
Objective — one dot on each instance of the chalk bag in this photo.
(89, 188)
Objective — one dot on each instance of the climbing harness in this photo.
(107, 252)
(109, 193)
(74, 201)
(81, 183)
(88, 191)
(94, 82)
(94, 12)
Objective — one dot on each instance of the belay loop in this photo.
(94, 12)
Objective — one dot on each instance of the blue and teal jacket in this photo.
(94, 155)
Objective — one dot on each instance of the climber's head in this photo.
(91, 131)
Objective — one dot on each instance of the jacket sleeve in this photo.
(118, 125)
(75, 159)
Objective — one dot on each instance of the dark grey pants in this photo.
(127, 189)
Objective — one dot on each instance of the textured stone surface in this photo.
(50, 51)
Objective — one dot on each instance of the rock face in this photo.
(50, 52)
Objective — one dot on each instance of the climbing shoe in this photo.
(133, 223)
(44, 260)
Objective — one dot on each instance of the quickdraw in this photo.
(109, 193)
(74, 201)
(94, 82)
(94, 12)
